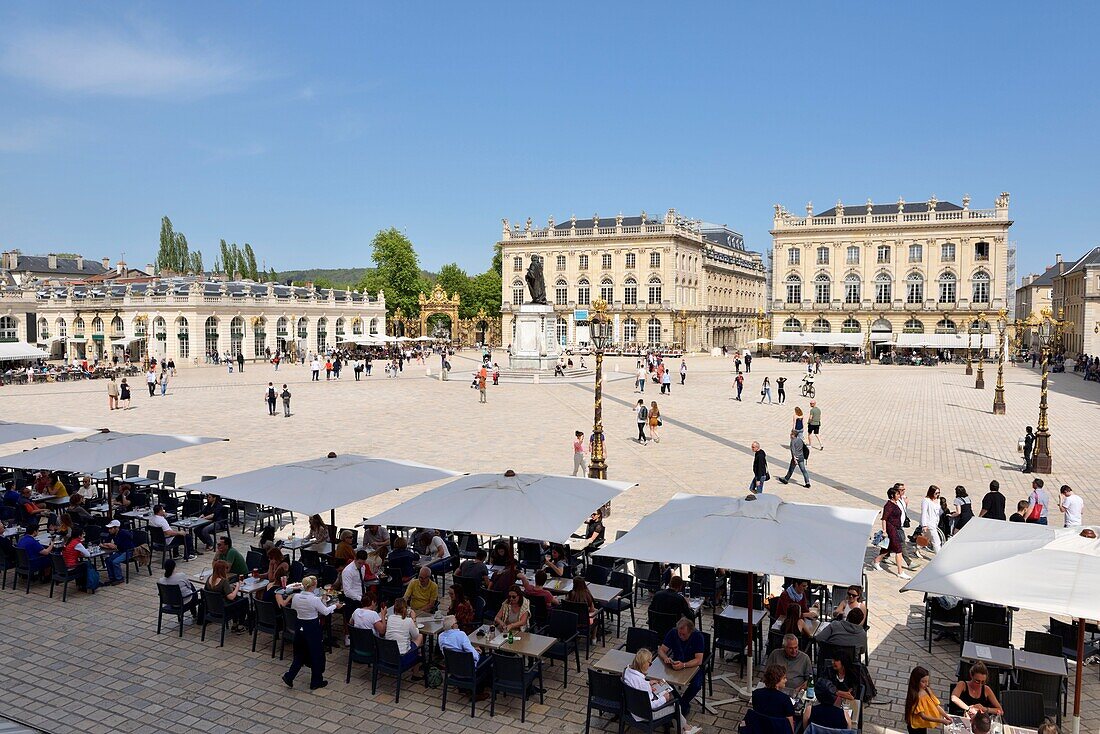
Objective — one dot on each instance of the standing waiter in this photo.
(308, 642)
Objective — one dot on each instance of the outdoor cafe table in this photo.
(1037, 662)
(1000, 657)
(188, 523)
(742, 613)
(813, 626)
(961, 725)
(616, 661)
(295, 544)
(601, 594)
(526, 644)
(142, 515)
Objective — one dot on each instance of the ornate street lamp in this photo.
(999, 391)
(969, 355)
(1041, 464)
(867, 344)
(979, 382)
(600, 334)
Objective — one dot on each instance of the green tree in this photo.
(273, 277)
(250, 262)
(225, 261)
(167, 243)
(181, 259)
(195, 265)
(396, 273)
(454, 279)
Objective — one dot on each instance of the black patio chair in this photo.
(988, 633)
(510, 675)
(562, 625)
(639, 713)
(22, 568)
(661, 623)
(267, 620)
(1048, 686)
(639, 637)
(729, 637)
(461, 673)
(594, 574)
(290, 629)
(605, 694)
(949, 621)
(62, 574)
(624, 601)
(216, 609)
(171, 602)
(141, 537)
(362, 649)
(1043, 643)
(388, 661)
(1023, 708)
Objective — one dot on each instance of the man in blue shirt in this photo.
(122, 543)
(38, 554)
(11, 495)
(452, 638)
(684, 647)
(402, 559)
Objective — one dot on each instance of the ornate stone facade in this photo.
(887, 269)
(1076, 298)
(668, 281)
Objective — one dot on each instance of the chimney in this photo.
(150, 270)
(1058, 257)
(79, 262)
(51, 262)
(120, 269)
(106, 263)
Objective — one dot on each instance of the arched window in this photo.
(850, 326)
(340, 324)
(8, 329)
(561, 292)
(62, 328)
(821, 326)
(374, 326)
(561, 330)
(303, 327)
(584, 292)
(823, 255)
(211, 332)
(78, 327)
(281, 327)
(43, 328)
(117, 327)
(236, 335)
(883, 288)
(259, 337)
(630, 292)
(914, 288)
(653, 330)
(913, 326)
(946, 326)
(794, 289)
(980, 287)
(97, 325)
(654, 288)
(882, 326)
(517, 292)
(792, 324)
(852, 289)
(630, 331)
(140, 328)
(322, 333)
(607, 290)
(357, 326)
(948, 287)
(823, 288)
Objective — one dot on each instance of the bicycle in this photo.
(808, 390)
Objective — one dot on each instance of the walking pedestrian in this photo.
(285, 395)
(163, 382)
(739, 383)
(271, 397)
(641, 414)
(766, 391)
(172, 366)
(798, 423)
(639, 378)
(315, 369)
(737, 363)
(799, 454)
(1029, 449)
(748, 361)
(1037, 503)
(112, 394)
(328, 370)
(813, 426)
(964, 509)
(654, 420)
(780, 389)
(240, 361)
(496, 373)
(579, 449)
(893, 513)
(124, 394)
(666, 382)
(481, 380)
(759, 468)
(817, 364)
(1071, 506)
(930, 514)
(151, 381)
(683, 372)
(309, 646)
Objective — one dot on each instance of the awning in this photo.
(126, 341)
(52, 340)
(882, 336)
(818, 339)
(10, 351)
(946, 341)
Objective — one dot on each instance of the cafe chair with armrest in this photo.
(362, 649)
(562, 625)
(605, 694)
(991, 614)
(1043, 643)
(530, 555)
(461, 673)
(168, 480)
(648, 576)
(729, 638)
(661, 623)
(269, 621)
(296, 572)
(1049, 686)
(988, 633)
(217, 609)
(22, 568)
(132, 470)
(311, 561)
(255, 561)
(639, 637)
(62, 574)
(1023, 708)
(9, 560)
(639, 713)
(290, 629)
(141, 537)
(623, 602)
(510, 675)
(755, 723)
(586, 628)
(594, 574)
(540, 613)
(158, 543)
(171, 602)
(388, 661)
(949, 621)
(493, 602)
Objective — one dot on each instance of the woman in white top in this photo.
(930, 512)
(367, 616)
(187, 590)
(662, 703)
(308, 641)
(401, 628)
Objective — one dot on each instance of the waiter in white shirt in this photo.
(308, 642)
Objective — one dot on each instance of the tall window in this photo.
(948, 291)
(517, 263)
(259, 336)
(653, 331)
(97, 325)
(78, 326)
(117, 329)
(883, 254)
(794, 289)
(8, 330)
(947, 252)
(605, 261)
(607, 289)
(850, 326)
(823, 256)
(211, 333)
(340, 326)
(981, 251)
(852, 289)
(914, 288)
(303, 327)
(822, 289)
(322, 333)
(794, 256)
(792, 324)
(236, 335)
(631, 260)
(630, 292)
(183, 338)
(281, 327)
(630, 331)
(582, 262)
(913, 326)
(559, 262)
(655, 290)
(62, 327)
(517, 293)
(654, 259)
(946, 326)
(981, 287)
(883, 288)
(821, 326)
(373, 326)
(852, 255)
(561, 330)
(584, 293)
(43, 328)
(916, 253)
(357, 326)
(561, 292)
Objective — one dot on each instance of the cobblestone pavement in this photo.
(95, 664)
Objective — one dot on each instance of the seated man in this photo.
(402, 560)
(32, 513)
(120, 543)
(422, 593)
(538, 588)
(216, 514)
(672, 600)
(11, 495)
(173, 538)
(437, 551)
(37, 554)
(593, 532)
(797, 664)
(375, 537)
(475, 568)
(797, 596)
(232, 556)
(684, 647)
(454, 639)
(847, 632)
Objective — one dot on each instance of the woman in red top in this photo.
(461, 608)
(893, 517)
(75, 554)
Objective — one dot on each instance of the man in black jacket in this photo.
(672, 600)
(1029, 449)
(759, 468)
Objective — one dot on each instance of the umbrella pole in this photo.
(110, 505)
(1077, 680)
(750, 629)
(332, 522)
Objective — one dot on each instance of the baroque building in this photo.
(1032, 298)
(881, 270)
(669, 281)
(1075, 296)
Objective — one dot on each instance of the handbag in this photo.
(880, 540)
(1036, 512)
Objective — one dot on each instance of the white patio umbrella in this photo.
(987, 560)
(757, 534)
(423, 339)
(312, 486)
(760, 341)
(543, 506)
(101, 451)
(11, 432)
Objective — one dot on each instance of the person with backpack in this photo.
(800, 452)
(642, 415)
(739, 383)
(285, 395)
(270, 396)
(1037, 503)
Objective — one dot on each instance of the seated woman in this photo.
(505, 579)
(236, 606)
(581, 595)
(461, 608)
(401, 628)
(843, 678)
(515, 612)
(318, 531)
(345, 549)
(75, 556)
(973, 696)
(277, 568)
(187, 590)
(501, 554)
(555, 563)
(792, 624)
(824, 710)
(853, 599)
(402, 560)
(635, 676)
(770, 700)
(367, 616)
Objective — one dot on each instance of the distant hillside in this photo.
(335, 277)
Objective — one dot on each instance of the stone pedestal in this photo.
(535, 346)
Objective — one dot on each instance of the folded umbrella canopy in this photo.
(542, 506)
(313, 486)
(11, 432)
(1025, 565)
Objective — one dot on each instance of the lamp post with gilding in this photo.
(1041, 463)
(597, 467)
(969, 341)
(979, 381)
(999, 391)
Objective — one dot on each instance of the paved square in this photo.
(95, 663)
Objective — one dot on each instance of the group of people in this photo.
(654, 368)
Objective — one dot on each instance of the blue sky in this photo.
(305, 128)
